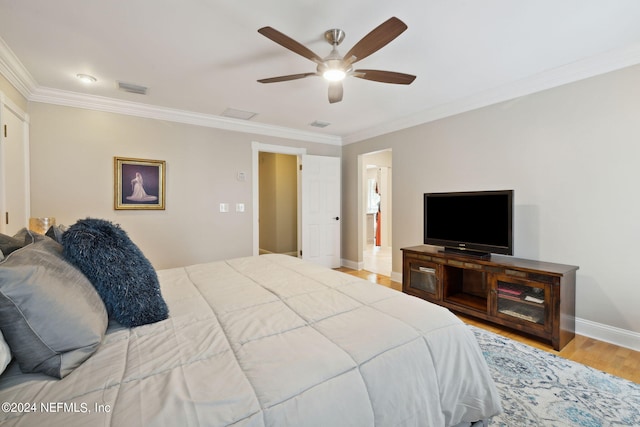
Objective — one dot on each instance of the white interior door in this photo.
(14, 165)
(321, 210)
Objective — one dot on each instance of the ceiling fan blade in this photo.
(384, 76)
(379, 37)
(335, 92)
(286, 78)
(289, 43)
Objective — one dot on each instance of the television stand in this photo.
(530, 296)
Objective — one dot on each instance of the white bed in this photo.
(269, 341)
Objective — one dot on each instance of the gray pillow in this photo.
(56, 232)
(9, 244)
(50, 315)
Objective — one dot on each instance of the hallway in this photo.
(377, 259)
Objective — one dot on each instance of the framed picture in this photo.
(138, 183)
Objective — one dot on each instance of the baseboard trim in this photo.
(610, 334)
(354, 265)
(266, 252)
(396, 277)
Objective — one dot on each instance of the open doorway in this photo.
(278, 203)
(257, 149)
(318, 204)
(377, 211)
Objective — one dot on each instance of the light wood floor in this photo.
(619, 361)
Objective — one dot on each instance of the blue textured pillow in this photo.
(122, 275)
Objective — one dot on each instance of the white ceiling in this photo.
(200, 57)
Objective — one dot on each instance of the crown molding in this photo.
(13, 70)
(16, 73)
(593, 66)
(111, 105)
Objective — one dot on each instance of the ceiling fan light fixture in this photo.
(334, 75)
(332, 70)
(334, 67)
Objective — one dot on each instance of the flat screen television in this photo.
(475, 223)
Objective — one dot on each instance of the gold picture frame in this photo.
(138, 183)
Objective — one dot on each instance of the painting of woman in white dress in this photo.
(139, 183)
(137, 190)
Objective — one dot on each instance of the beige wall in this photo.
(10, 92)
(571, 154)
(72, 154)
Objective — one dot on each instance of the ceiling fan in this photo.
(334, 67)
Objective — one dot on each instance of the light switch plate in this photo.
(239, 207)
(224, 207)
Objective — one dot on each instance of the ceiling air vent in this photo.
(238, 114)
(319, 124)
(131, 88)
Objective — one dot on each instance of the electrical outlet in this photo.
(239, 207)
(224, 207)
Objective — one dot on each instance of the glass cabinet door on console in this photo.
(522, 301)
(423, 279)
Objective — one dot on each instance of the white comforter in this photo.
(270, 341)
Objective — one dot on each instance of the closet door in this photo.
(14, 167)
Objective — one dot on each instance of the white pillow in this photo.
(5, 354)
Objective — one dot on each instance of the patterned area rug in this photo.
(541, 389)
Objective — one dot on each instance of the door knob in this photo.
(337, 218)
